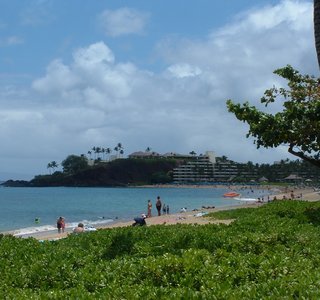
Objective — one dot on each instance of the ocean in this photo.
(30, 210)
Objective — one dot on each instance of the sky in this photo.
(81, 74)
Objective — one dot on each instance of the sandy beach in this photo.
(189, 217)
(196, 216)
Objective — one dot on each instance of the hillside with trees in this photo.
(159, 170)
(120, 172)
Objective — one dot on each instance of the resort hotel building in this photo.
(202, 168)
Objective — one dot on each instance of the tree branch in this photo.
(307, 158)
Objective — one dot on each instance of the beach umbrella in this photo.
(263, 179)
(293, 177)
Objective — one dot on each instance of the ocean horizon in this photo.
(30, 210)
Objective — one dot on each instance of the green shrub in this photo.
(270, 252)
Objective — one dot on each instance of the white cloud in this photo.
(93, 55)
(184, 70)
(59, 78)
(123, 21)
(240, 58)
(91, 75)
(295, 14)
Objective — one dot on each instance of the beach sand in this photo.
(191, 217)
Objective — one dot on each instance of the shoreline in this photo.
(196, 216)
(188, 217)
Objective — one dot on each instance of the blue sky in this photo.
(78, 74)
(50, 29)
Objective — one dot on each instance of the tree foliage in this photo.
(74, 163)
(52, 165)
(316, 21)
(297, 125)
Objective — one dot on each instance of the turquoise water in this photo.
(19, 207)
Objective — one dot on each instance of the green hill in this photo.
(120, 172)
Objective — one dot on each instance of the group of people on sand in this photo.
(61, 224)
(141, 220)
(138, 221)
(159, 207)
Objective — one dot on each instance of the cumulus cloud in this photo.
(123, 21)
(91, 77)
(239, 58)
(184, 70)
(93, 55)
(59, 78)
(96, 100)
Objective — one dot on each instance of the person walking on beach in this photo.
(158, 205)
(149, 209)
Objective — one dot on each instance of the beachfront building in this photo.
(227, 170)
(206, 168)
(196, 169)
(144, 154)
(149, 154)
(209, 168)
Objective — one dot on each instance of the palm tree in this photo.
(192, 153)
(108, 151)
(224, 158)
(316, 24)
(94, 151)
(118, 149)
(98, 150)
(103, 150)
(52, 165)
(49, 167)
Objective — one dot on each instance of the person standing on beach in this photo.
(158, 205)
(59, 224)
(63, 224)
(164, 209)
(149, 209)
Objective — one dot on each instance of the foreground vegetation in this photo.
(271, 252)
